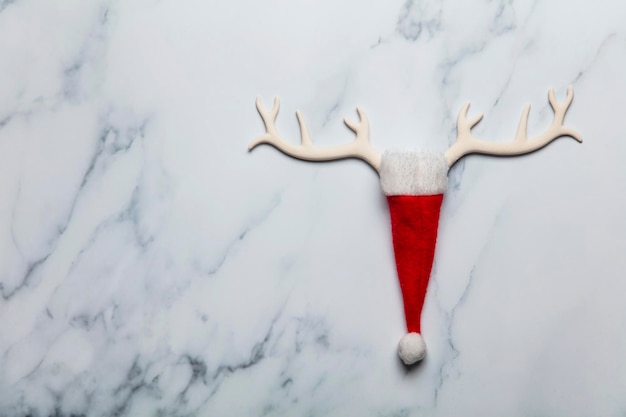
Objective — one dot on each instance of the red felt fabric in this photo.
(414, 224)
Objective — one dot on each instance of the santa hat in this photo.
(414, 183)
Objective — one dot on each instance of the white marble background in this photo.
(150, 266)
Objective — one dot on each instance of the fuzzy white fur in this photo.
(411, 348)
(413, 173)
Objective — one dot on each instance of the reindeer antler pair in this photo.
(414, 184)
(465, 143)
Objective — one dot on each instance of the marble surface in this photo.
(151, 266)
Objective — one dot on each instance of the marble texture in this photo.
(151, 266)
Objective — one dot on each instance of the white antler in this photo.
(360, 147)
(466, 143)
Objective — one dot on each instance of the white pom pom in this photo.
(411, 348)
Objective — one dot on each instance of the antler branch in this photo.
(467, 144)
(360, 147)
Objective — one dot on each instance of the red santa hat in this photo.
(414, 183)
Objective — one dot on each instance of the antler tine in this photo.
(272, 114)
(464, 125)
(559, 113)
(361, 129)
(466, 143)
(269, 120)
(561, 108)
(304, 132)
(360, 147)
(522, 128)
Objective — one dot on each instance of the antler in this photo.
(360, 147)
(466, 143)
